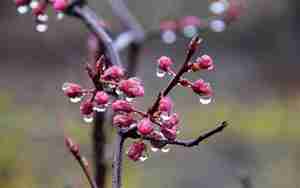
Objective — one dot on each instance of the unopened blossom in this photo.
(113, 73)
(169, 133)
(172, 121)
(123, 120)
(132, 87)
(72, 90)
(204, 62)
(165, 105)
(190, 21)
(22, 2)
(164, 63)
(202, 88)
(145, 126)
(39, 9)
(122, 106)
(136, 150)
(101, 98)
(60, 5)
(86, 108)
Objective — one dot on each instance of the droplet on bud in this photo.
(41, 27)
(143, 158)
(34, 4)
(42, 17)
(168, 36)
(190, 31)
(60, 16)
(160, 73)
(23, 9)
(88, 118)
(75, 99)
(205, 99)
(119, 92)
(154, 149)
(100, 108)
(165, 150)
(165, 116)
(129, 99)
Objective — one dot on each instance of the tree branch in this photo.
(117, 161)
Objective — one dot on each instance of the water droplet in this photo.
(65, 86)
(34, 4)
(100, 108)
(154, 149)
(23, 9)
(164, 116)
(160, 73)
(41, 27)
(129, 99)
(42, 17)
(143, 158)
(60, 16)
(168, 36)
(75, 99)
(88, 118)
(111, 86)
(217, 7)
(165, 150)
(190, 31)
(119, 92)
(205, 99)
(217, 25)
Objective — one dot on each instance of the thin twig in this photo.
(117, 161)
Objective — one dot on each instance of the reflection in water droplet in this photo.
(22, 9)
(168, 36)
(41, 27)
(60, 16)
(65, 86)
(217, 25)
(160, 73)
(190, 31)
(205, 99)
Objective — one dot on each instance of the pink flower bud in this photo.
(205, 62)
(101, 98)
(136, 150)
(122, 120)
(132, 87)
(156, 140)
(22, 2)
(202, 88)
(172, 122)
(121, 106)
(170, 134)
(113, 73)
(72, 90)
(164, 63)
(165, 105)
(145, 127)
(86, 108)
(60, 5)
(40, 9)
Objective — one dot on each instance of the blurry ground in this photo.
(256, 85)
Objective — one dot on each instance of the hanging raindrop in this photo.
(60, 16)
(42, 17)
(160, 73)
(100, 108)
(154, 149)
(165, 150)
(143, 158)
(205, 99)
(129, 99)
(168, 36)
(88, 118)
(23, 9)
(41, 27)
(75, 99)
(190, 31)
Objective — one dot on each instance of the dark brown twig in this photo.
(117, 161)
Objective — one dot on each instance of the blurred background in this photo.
(256, 84)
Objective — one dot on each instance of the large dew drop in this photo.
(88, 118)
(205, 99)
(41, 27)
(165, 150)
(154, 149)
(160, 73)
(100, 108)
(23, 9)
(190, 31)
(42, 17)
(143, 158)
(168, 37)
(75, 99)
